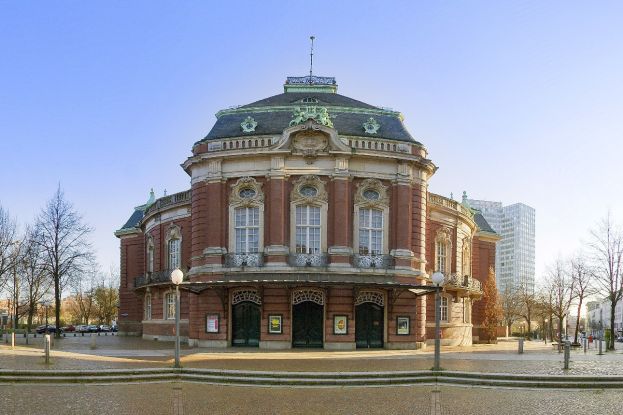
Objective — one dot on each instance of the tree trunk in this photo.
(57, 300)
(577, 323)
(611, 341)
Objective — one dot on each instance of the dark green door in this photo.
(307, 319)
(369, 325)
(246, 324)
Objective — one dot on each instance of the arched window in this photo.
(147, 311)
(441, 257)
(246, 220)
(443, 251)
(173, 242)
(370, 231)
(308, 229)
(466, 257)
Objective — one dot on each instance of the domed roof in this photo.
(348, 116)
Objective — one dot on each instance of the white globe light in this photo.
(177, 276)
(438, 278)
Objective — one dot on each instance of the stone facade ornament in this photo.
(370, 297)
(248, 125)
(371, 126)
(301, 193)
(246, 192)
(318, 114)
(371, 193)
(243, 295)
(308, 294)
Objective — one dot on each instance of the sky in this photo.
(516, 101)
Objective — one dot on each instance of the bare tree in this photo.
(8, 231)
(63, 239)
(528, 304)
(562, 291)
(582, 275)
(607, 255)
(511, 307)
(35, 281)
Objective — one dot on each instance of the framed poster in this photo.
(340, 324)
(275, 324)
(212, 323)
(402, 326)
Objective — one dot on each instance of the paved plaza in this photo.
(173, 397)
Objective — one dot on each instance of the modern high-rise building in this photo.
(514, 255)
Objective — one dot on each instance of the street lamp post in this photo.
(176, 277)
(437, 280)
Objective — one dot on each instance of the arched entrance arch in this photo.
(246, 318)
(369, 319)
(308, 318)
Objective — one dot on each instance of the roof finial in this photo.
(311, 57)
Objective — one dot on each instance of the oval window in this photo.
(371, 195)
(309, 191)
(247, 193)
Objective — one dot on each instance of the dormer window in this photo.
(309, 191)
(247, 193)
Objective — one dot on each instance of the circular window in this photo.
(371, 195)
(247, 193)
(309, 191)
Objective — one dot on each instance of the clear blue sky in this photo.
(517, 101)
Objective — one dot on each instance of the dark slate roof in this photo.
(134, 220)
(294, 98)
(347, 123)
(482, 223)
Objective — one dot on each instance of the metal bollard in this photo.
(600, 348)
(93, 344)
(46, 348)
(585, 345)
(567, 354)
(520, 351)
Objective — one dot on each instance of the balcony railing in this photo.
(244, 260)
(466, 282)
(373, 261)
(180, 197)
(154, 278)
(308, 260)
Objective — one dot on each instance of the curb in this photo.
(312, 379)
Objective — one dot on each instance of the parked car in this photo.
(620, 339)
(69, 329)
(51, 329)
(104, 328)
(92, 328)
(82, 328)
(114, 328)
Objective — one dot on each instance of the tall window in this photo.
(307, 229)
(169, 306)
(147, 313)
(370, 231)
(174, 253)
(443, 309)
(247, 228)
(150, 258)
(440, 257)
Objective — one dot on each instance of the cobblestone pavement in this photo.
(130, 352)
(190, 399)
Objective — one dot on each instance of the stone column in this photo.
(199, 223)
(403, 217)
(418, 241)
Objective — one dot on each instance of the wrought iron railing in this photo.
(154, 278)
(373, 261)
(244, 260)
(466, 282)
(308, 260)
(180, 197)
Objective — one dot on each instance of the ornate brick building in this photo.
(308, 223)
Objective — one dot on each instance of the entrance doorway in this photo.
(246, 324)
(307, 320)
(369, 326)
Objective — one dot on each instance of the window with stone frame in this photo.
(441, 253)
(443, 309)
(247, 229)
(169, 306)
(174, 254)
(150, 257)
(308, 229)
(370, 231)
(147, 311)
